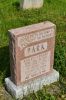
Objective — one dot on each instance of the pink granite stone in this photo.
(31, 51)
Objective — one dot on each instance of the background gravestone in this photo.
(31, 58)
(26, 4)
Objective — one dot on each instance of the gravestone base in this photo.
(33, 85)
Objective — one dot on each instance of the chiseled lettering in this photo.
(35, 49)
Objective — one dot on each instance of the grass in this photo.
(11, 16)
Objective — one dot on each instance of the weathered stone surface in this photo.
(31, 51)
(31, 58)
(27, 4)
(33, 85)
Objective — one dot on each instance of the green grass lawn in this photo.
(12, 17)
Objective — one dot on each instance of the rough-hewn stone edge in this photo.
(31, 28)
(20, 91)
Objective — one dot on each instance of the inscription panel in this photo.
(35, 66)
(26, 39)
(38, 48)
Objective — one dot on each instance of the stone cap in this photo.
(31, 28)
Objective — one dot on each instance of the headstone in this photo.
(27, 4)
(31, 58)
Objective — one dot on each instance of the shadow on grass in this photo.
(4, 63)
(16, 5)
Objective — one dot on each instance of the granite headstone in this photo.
(31, 58)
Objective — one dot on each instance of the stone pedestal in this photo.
(27, 4)
(33, 85)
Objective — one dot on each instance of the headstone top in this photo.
(32, 28)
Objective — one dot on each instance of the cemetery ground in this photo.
(11, 16)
